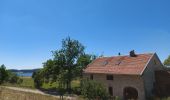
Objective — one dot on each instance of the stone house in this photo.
(129, 76)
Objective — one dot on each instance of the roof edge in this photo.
(127, 55)
(111, 74)
(147, 64)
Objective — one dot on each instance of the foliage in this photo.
(66, 58)
(13, 78)
(67, 64)
(93, 90)
(167, 61)
(8, 76)
(3, 74)
(83, 61)
(38, 78)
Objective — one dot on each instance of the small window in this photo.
(105, 63)
(109, 77)
(110, 91)
(91, 76)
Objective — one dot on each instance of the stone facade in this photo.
(149, 74)
(120, 82)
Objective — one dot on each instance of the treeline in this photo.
(24, 70)
(7, 76)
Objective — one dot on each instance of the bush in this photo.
(93, 90)
(13, 78)
(38, 79)
(77, 90)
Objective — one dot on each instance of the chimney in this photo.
(132, 53)
(119, 54)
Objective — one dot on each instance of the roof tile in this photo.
(119, 64)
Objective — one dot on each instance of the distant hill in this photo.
(24, 70)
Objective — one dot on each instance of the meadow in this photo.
(28, 82)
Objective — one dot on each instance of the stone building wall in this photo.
(120, 82)
(149, 74)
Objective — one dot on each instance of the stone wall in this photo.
(9, 94)
(149, 74)
(120, 82)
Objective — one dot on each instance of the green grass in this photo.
(49, 85)
(29, 83)
(75, 83)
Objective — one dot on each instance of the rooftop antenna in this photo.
(102, 54)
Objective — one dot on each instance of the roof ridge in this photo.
(127, 55)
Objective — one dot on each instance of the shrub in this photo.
(8, 77)
(38, 79)
(76, 90)
(93, 90)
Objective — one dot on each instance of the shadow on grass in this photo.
(57, 92)
(52, 91)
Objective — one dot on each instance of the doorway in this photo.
(130, 93)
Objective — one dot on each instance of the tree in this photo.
(13, 78)
(67, 64)
(83, 61)
(66, 59)
(38, 78)
(3, 74)
(93, 90)
(167, 61)
(8, 76)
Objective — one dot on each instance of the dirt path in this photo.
(38, 92)
(26, 90)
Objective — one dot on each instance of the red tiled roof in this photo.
(124, 65)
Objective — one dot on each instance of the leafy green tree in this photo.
(67, 64)
(93, 90)
(3, 74)
(13, 78)
(66, 59)
(8, 76)
(38, 78)
(167, 61)
(83, 61)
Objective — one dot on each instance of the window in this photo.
(105, 63)
(109, 77)
(91, 76)
(110, 91)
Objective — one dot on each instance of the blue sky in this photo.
(31, 29)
